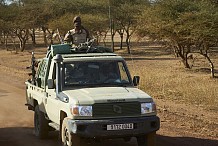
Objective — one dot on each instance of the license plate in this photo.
(120, 126)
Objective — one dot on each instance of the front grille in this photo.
(116, 109)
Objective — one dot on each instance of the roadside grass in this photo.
(163, 84)
(163, 77)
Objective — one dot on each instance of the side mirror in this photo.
(51, 84)
(136, 80)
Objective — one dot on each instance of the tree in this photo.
(21, 26)
(7, 15)
(126, 18)
(97, 24)
(185, 24)
(125, 14)
(38, 17)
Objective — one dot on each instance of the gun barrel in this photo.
(59, 36)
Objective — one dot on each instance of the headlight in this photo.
(82, 111)
(148, 108)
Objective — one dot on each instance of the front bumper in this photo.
(98, 128)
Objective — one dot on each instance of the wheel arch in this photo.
(63, 115)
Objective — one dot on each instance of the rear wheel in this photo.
(147, 140)
(67, 138)
(40, 124)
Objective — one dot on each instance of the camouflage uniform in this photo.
(77, 35)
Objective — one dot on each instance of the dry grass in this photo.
(177, 86)
(163, 76)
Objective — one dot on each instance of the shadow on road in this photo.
(184, 141)
(24, 137)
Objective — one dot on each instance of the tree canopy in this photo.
(181, 22)
(185, 24)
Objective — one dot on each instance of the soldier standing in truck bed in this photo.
(77, 35)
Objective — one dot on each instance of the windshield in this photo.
(96, 73)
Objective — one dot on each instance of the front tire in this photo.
(67, 138)
(40, 124)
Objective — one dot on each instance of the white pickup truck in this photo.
(88, 93)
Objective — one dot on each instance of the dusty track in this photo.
(181, 125)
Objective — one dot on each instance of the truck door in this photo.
(52, 105)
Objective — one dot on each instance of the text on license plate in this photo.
(120, 126)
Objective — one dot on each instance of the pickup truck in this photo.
(88, 93)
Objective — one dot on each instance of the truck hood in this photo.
(87, 96)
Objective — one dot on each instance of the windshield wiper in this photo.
(113, 85)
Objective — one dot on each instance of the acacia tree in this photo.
(186, 24)
(205, 30)
(7, 15)
(126, 18)
(22, 18)
(95, 17)
(162, 20)
(125, 14)
(96, 24)
(38, 15)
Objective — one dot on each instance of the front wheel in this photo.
(147, 140)
(67, 138)
(40, 124)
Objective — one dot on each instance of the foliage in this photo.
(181, 22)
(185, 24)
(125, 14)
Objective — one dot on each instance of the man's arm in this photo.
(68, 38)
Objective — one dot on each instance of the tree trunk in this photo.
(22, 45)
(113, 32)
(210, 63)
(97, 39)
(112, 45)
(127, 42)
(212, 69)
(22, 34)
(5, 40)
(44, 36)
(180, 51)
(121, 31)
(105, 35)
(121, 41)
(33, 36)
(204, 52)
(185, 61)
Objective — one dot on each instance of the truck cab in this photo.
(89, 95)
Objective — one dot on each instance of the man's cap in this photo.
(77, 19)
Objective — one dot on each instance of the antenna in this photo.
(111, 29)
(133, 66)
